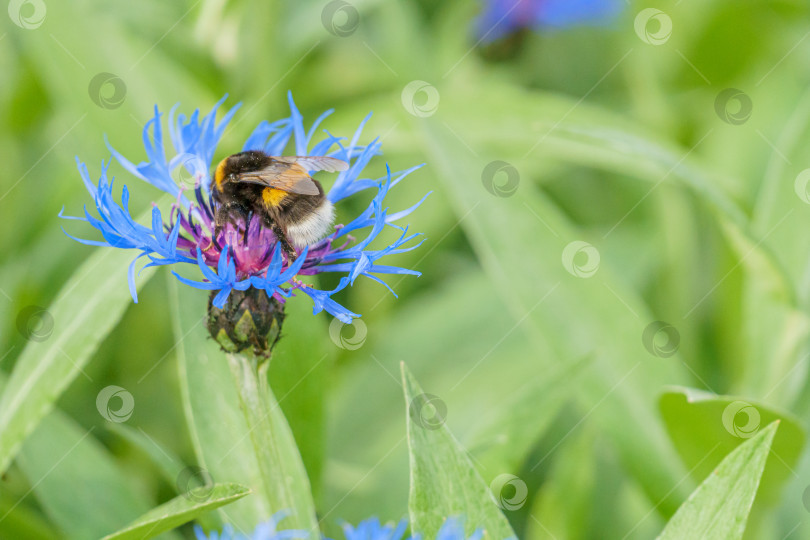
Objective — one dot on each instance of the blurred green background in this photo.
(688, 202)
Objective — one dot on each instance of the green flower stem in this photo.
(285, 481)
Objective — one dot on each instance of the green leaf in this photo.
(599, 315)
(58, 456)
(85, 311)
(21, 521)
(179, 510)
(776, 321)
(260, 454)
(444, 482)
(168, 464)
(502, 440)
(284, 479)
(217, 426)
(61, 455)
(369, 374)
(299, 379)
(719, 507)
(705, 427)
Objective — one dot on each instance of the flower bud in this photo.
(249, 320)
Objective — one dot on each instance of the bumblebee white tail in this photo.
(314, 227)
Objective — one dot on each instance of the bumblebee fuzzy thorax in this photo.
(229, 168)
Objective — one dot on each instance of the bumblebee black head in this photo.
(243, 162)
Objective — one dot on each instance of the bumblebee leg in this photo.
(281, 235)
(247, 226)
(228, 213)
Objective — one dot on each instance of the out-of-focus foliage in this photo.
(617, 209)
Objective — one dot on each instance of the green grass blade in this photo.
(85, 311)
(444, 482)
(179, 510)
(521, 242)
(704, 427)
(369, 375)
(719, 507)
(503, 440)
(60, 455)
(167, 464)
(21, 521)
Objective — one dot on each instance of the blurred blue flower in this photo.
(247, 255)
(265, 531)
(501, 17)
(372, 529)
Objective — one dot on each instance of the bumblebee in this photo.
(279, 189)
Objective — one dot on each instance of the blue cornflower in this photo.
(246, 255)
(372, 529)
(502, 17)
(264, 531)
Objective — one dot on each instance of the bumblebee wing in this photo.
(316, 163)
(290, 177)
